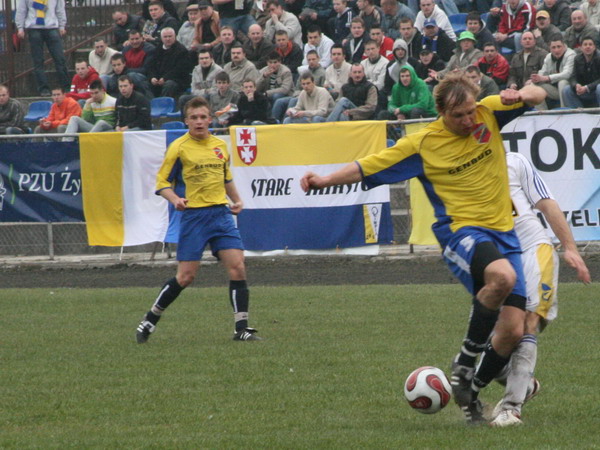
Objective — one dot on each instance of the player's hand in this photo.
(574, 260)
(21, 34)
(510, 96)
(311, 180)
(180, 204)
(236, 207)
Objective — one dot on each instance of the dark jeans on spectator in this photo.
(169, 89)
(52, 39)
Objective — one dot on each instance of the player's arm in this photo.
(530, 95)
(178, 202)
(556, 219)
(165, 176)
(236, 205)
(348, 174)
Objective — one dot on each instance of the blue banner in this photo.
(40, 182)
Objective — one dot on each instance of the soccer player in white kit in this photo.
(540, 264)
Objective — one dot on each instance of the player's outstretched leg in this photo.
(167, 295)
(239, 296)
(481, 324)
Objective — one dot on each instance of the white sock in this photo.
(522, 365)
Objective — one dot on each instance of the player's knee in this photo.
(185, 279)
(237, 270)
(502, 283)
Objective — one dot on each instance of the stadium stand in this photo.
(161, 106)
(37, 110)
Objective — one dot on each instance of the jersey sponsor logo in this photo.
(246, 144)
(218, 152)
(481, 133)
(471, 162)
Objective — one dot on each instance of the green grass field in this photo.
(330, 373)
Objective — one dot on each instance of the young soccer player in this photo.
(206, 218)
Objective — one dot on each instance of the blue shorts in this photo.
(459, 251)
(212, 225)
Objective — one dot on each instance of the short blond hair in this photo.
(454, 90)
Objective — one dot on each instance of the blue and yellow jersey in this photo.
(202, 165)
(465, 177)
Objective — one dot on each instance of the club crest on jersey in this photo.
(481, 133)
(218, 152)
(246, 144)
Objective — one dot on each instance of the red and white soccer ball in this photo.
(427, 390)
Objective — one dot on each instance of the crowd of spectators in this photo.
(300, 61)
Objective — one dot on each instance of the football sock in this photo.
(239, 295)
(522, 365)
(481, 324)
(490, 365)
(167, 295)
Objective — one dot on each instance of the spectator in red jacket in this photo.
(385, 44)
(84, 75)
(516, 17)
(494, 65)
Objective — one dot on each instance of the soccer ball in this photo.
(427, 389)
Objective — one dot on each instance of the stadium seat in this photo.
(161, 106)
(390, 142)
(175, 125)
(458, 22)
(37, 110)
(484, 17)
(174, 114)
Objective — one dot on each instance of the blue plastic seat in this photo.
(161, 106)
(458, 22)
(390, 142)
(484, 17)
(174, 125)
(174, 114)
(38, 110)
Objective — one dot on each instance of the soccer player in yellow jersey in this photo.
(460, 160)
(201, 162)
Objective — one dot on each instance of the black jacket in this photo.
(251, 111)
(443, 46)
(121, 32)
(259, 55)
(586, 73)
(133, 112)
(171, 64)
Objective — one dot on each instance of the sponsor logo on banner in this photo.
(246, 144)
(218, 152)
(372, 215)
(2, 192)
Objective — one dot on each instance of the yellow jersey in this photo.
(465, 177)
(201, 165)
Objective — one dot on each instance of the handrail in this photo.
(67, 52)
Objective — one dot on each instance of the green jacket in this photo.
(415, 95)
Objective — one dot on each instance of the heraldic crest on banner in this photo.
(245, 139)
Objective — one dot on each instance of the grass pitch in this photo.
(330, 373)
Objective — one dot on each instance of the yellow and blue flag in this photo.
(268, 164)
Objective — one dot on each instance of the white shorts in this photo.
(540, 264)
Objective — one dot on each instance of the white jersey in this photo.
(526, 189)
